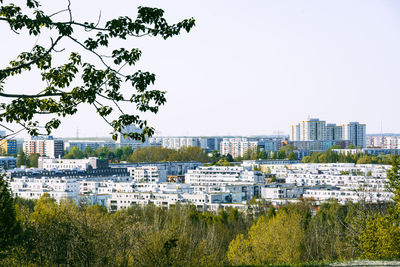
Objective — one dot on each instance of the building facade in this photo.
(316, 130)
(356, 133)
(44, 146)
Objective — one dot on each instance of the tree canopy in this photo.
(94, 74)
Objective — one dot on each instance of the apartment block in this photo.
(316, 130)
(356, 133)
(44, 146)
(9, 146)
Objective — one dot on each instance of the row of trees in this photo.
(66, 234)
(359, 158)
(294, 236)
(118, 154)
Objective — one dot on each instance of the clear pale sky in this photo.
(256, 67)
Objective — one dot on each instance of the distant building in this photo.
(44, 146)
(237, 146)
(334, 132)
(8, 146)
(385, 141)
(148, 174)
(93, 144)
(127, 141)
(316, 130)
(356, 133)
(312, 130)
(8, 162)
(69, 164)
(321, 145)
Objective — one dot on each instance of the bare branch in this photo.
(32, 96)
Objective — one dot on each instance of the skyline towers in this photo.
(317, 130)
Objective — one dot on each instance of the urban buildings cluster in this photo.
(207, 187)
(317, 130)
(383, 141)
(121, 185)
(306, 137)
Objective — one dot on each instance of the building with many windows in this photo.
(237, 146)
(316, 130)
(44, 146)
(8, 146)
(334, 132)
(93, 144)
(356, 133)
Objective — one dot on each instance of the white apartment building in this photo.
(312, 130)
(309, 130)
(342, 181)
(34, 188)
(356, 133)
(68, 164)
(237, 146)
(148, 174)
(218, 175)
(178, 142)
(48, 147)
(322, 194)
(225, 179)
(383, 141)
(316, 130)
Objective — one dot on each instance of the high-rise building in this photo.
(356, 133)
(295, 132)
(334, 132)
(312, 130)
(237, 146)
(44, 146)
(316, 130)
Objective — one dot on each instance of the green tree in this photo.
(292, 156)
(306, 159)
(89, 152)
(21, 158)
(74, 153)
(365, 160)
(282, 154)
(380, 239)
(80, 79)
(33, 160)
(9, 227)
(393, 175)
(271, 240)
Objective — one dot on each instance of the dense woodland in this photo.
(44, 233)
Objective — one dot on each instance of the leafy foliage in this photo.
(67, 234)
(81, 80)
(359, 158)
(9, 227)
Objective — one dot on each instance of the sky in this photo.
(253, 67)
